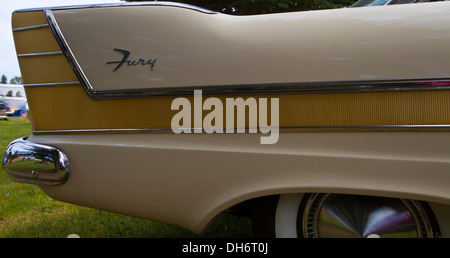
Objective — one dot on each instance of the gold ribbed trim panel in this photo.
(69, 108)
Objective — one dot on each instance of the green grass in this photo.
(26, 212)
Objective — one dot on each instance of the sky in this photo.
(8, 59)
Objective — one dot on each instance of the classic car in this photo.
(3, 108)
(327, 123)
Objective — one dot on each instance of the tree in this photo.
(4, 80)
(248, 7)
(16, 80)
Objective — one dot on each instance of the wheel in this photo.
(339, 215)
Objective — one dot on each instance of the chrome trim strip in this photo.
(279, 88)
(82, 131)
(405, 128)
(33, 163)
(155, 3)
(41, 54)
(52, 84)
(31, 27)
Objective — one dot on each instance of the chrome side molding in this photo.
(33, 163)
(41, 54)
(31, 27)
(152, 3)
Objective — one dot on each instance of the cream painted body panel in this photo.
(193, 48)
(189, 179)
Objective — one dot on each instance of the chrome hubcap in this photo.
(339, 215)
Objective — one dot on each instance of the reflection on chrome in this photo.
(340, 215)
(33, 163)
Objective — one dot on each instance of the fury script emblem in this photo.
(125, 60)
